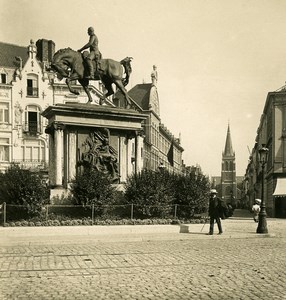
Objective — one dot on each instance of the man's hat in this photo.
(213, 191)
(258, 201)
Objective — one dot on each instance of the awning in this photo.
(280, 189)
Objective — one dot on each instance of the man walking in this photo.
(215, 211)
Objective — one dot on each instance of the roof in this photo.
(228, 150)
(140, 93)
(8, 52)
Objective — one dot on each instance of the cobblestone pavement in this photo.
(212, 267)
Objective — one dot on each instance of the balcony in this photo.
(32, 128)
(32, 92)
(32, 164)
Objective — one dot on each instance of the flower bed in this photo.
(88, 222)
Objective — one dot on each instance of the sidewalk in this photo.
(241, 225)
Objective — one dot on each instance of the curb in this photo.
(32, 236)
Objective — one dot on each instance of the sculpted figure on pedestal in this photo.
(74, 65)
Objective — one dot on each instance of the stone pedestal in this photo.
(70, 128)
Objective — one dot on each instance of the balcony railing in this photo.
(32, 92)
(32, 127)
(35, 164)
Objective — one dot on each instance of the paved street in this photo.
(183, 266)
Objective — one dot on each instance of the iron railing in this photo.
(13, 213)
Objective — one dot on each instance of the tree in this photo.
(151, 193)
(191, 194)
(92, 187)
(23, 187)
(155, 193)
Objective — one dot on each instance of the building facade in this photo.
(161, 148)
(271, 133)
(28, 88)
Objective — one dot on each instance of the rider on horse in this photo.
(94, 53)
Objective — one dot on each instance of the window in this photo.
(4, 113)
(32, 119)
(4, 149)
(3, 78)
(32, 85)
(33, 151)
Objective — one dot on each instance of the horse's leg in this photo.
(84, 82)
(72, 77)
(108, 86)
(73, 91)
(120, 85)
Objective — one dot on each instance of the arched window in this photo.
(32, 85)
(33, 119)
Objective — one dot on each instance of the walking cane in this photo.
(204, 224)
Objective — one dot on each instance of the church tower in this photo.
(228, 172)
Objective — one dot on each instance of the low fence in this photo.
(11, 213)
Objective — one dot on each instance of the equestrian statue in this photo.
(74, 65)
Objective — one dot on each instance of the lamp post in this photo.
(262, 224)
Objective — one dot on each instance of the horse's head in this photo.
(63, 61)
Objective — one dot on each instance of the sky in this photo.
(216, 59)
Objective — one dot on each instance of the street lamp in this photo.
(262, 224)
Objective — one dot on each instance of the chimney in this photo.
(45, 50)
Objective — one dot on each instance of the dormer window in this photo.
(3, 78)
(32, 86)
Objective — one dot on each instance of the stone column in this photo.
(51, 157)
(123, 158)
(58, 138)
(72, 155)
(129, 156)
(138, 154)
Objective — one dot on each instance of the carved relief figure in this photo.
(18, 114)
(99, 154)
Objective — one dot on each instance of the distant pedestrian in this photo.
(216, 211)
(256, 209)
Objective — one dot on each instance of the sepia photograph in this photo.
(142, 149)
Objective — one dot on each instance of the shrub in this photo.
(23, 187)
(151, 192)
(92, 187)
(191, 194)
(154, 194)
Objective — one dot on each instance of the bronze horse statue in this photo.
(71, 65)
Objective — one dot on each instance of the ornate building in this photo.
(28, 88)
(161, 148)
(271, 133)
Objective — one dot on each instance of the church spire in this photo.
(228, 150)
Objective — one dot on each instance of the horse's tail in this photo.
(126, 63)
